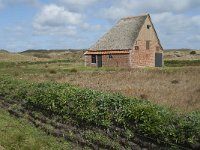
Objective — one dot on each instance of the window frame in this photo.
(93, 59)
(148, 44)
(137, 48)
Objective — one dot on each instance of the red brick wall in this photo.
(145, 57)
(137, 58)
(117, 60)
(88, 61)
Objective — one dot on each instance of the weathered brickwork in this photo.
(142, 53)
(117, 60)
(142, 56)
(88, 61)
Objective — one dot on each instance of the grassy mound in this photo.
(105, 110)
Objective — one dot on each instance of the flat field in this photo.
(88, 115)
(176, 87)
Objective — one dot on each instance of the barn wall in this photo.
(142, 56)
(88, 61)
(117, 60)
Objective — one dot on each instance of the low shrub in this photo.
(52, 71)
(73, 70)
(106, 110)
(193, 52)
(181, 63)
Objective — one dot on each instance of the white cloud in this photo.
(113, 13)
(68, 30)
(4, 3)
(84, 21)
(79, 2)
(175, 21)
(177, 30)
(158, 6)
(133, 7)
(89, 27)
(56, 19)
(82, 6)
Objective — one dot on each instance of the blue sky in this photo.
(63, 24)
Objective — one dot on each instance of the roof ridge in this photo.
(130, 17)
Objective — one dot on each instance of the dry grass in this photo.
(181, 55)
(15, 57)
(59, 55)
(42, 56)
(174, 87)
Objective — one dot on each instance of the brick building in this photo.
(132, 42)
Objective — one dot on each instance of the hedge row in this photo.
(181, 63)
(105, 110)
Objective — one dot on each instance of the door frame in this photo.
(158, 59)
(99, 60)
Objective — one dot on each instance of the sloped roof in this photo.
(122, 35)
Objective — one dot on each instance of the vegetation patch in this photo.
(193, 52)
(103, 110)
(19, 134)
(181, 63)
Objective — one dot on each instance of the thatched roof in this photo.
(122, 35)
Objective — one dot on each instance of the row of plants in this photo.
(181, 63)
(106, 110)
(90, 136)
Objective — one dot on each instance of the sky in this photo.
(78, 24)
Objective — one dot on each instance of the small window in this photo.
(93, 58)
(110, 56)
(148, 26)
(136, 47)
(147, 44)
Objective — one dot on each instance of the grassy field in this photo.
(182, 54)
(176, 87)
(98, 119)
(18, 134)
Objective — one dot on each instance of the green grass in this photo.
(47, 67)
(18, 134)
(181, 63)
(102, 109)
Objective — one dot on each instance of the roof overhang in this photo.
(107, 52)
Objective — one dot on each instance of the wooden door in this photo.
(158, 60)
(99, 60)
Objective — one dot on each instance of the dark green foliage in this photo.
(193, 52)
(52, 71)
(181, 63)
(106, 110)
(74, 70)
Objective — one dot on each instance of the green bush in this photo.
(74, 70)
(105, 110)
(180, 63)
(52, 71)
(193, 52)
